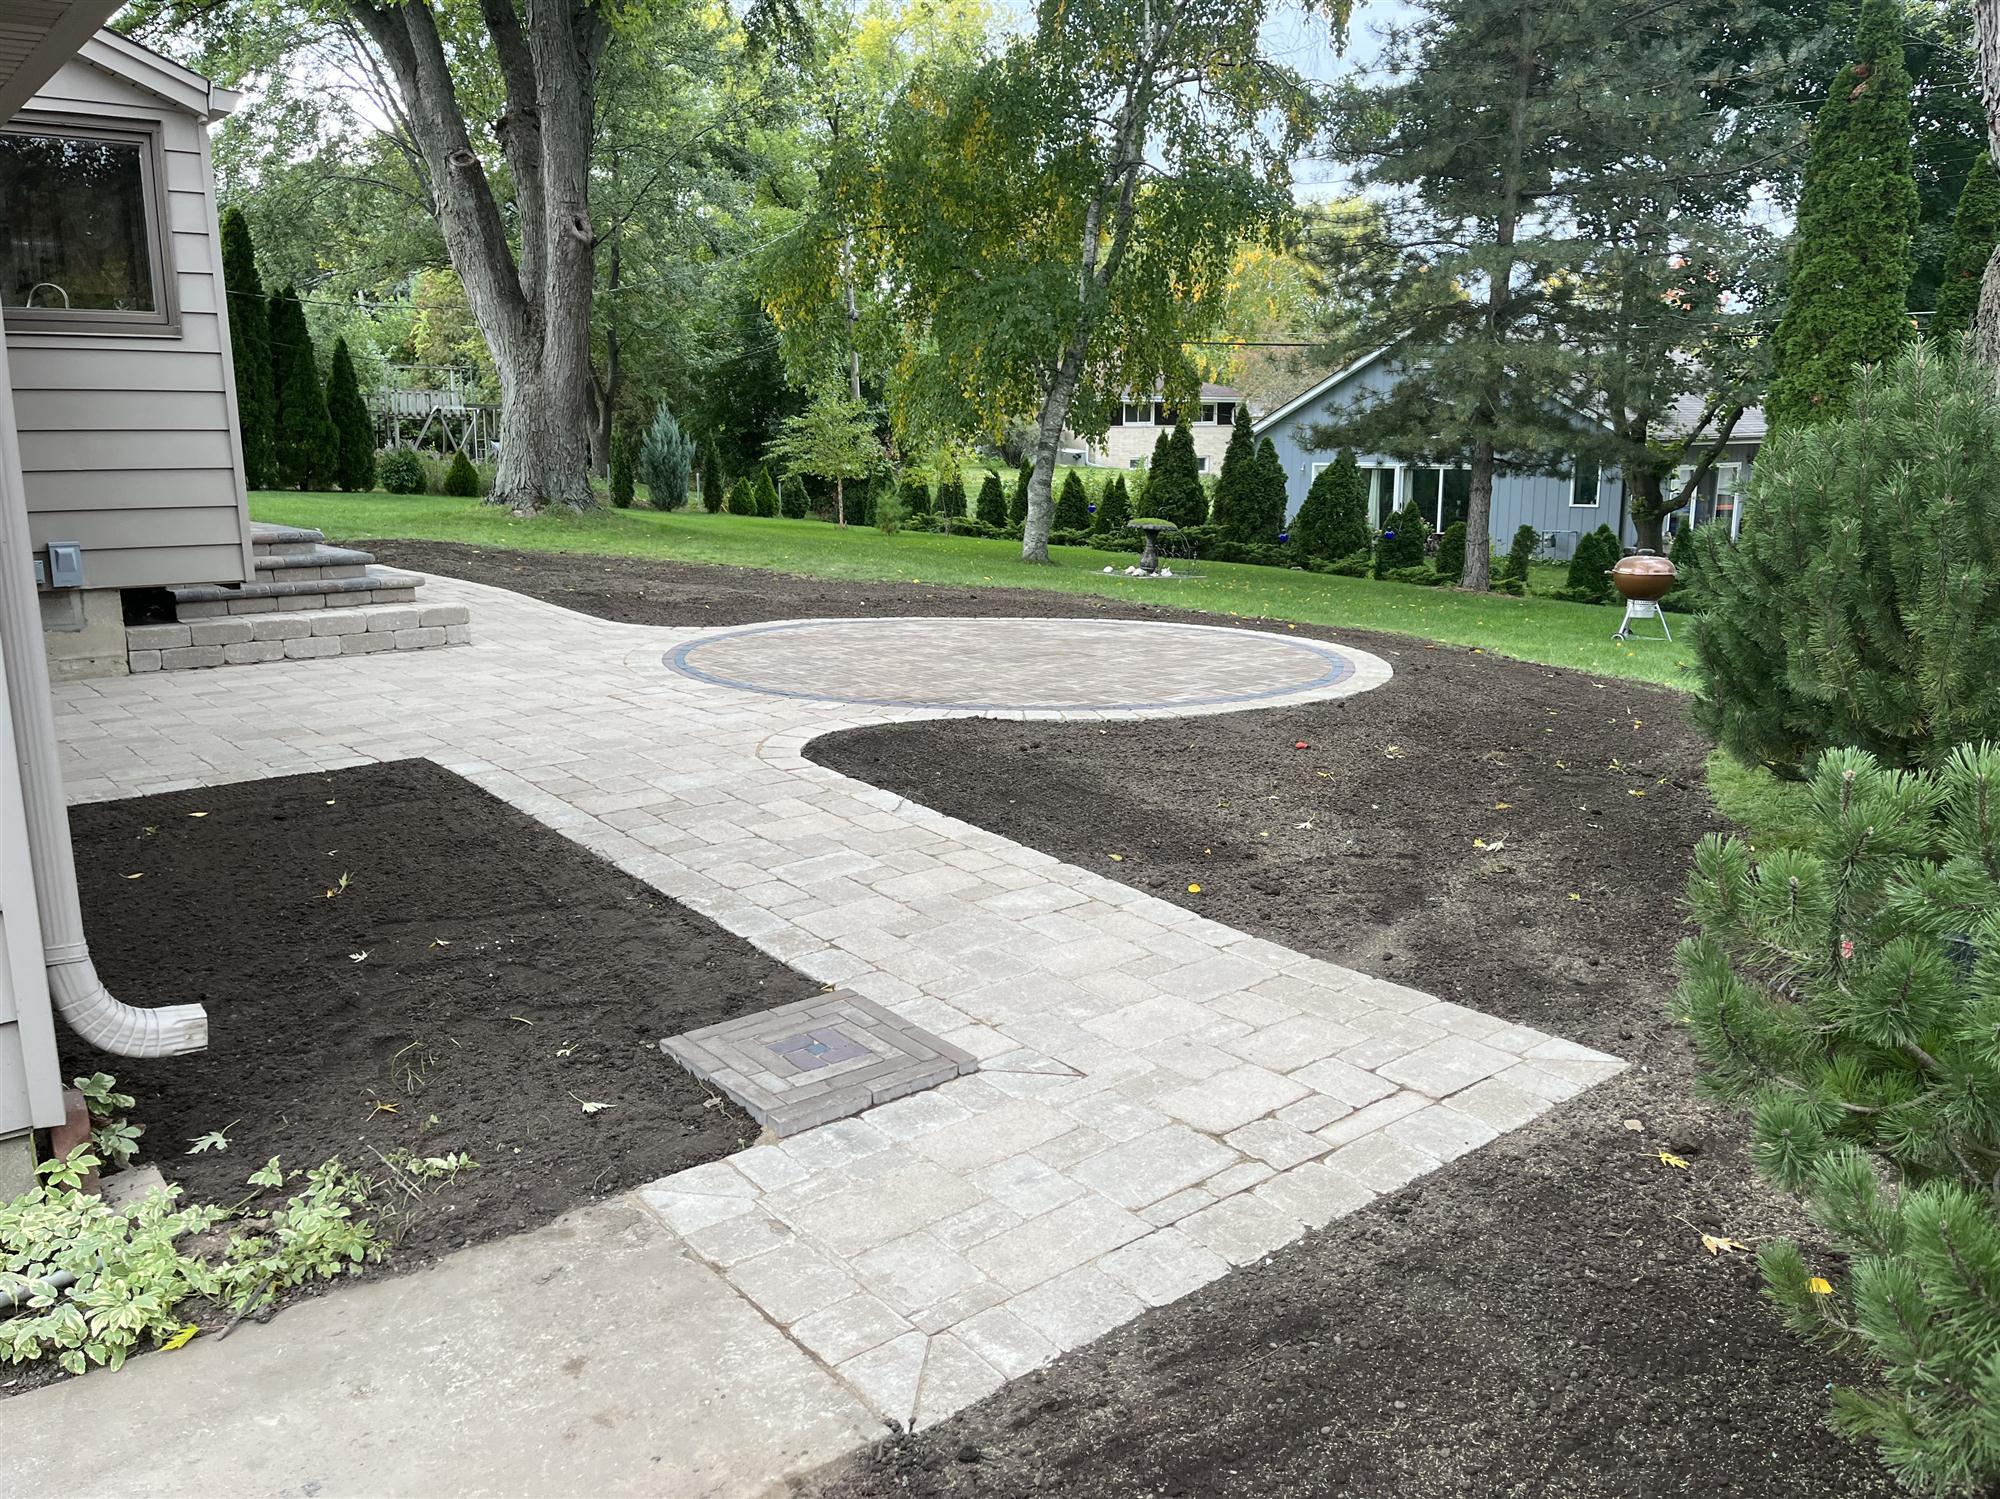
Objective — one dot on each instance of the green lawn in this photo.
(1531, 629)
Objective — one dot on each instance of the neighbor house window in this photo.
(1225, 413)
(1584, 479)
(82, 239)
(1138, 414)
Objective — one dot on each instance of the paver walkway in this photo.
(1160, 1097)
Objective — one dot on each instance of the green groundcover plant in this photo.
(1849, 993)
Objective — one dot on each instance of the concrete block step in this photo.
(312, 560)
(267, 533)
(371, 584)
(292, 635)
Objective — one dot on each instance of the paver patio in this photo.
(1159, 1098)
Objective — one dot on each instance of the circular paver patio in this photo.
(1024, 665)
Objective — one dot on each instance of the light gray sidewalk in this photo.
(1161, 1097)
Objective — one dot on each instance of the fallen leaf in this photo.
(591, 1106)
(1302, 745)
(1715, 1245)
(1635, 793)
(1117, 858)
(1574, 896)
(1394, 752)
(182, 1338)
(135, 876)
(1502, 806)
(1668, 1158)
(1194, 890)
(176, 1345)
(440, 942)
(356, 957)
(520, 1020)
(1635, 1126)
(1479, 843)
(1819, 1285)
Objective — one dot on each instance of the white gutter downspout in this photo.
(79, 994)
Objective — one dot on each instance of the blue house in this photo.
(1562, 506)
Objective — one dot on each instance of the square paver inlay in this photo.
(818, 1060)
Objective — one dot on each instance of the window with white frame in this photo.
(1138, 414)
(1586, 478)
(1225, 413)
(85, 247)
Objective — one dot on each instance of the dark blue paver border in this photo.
(1338, 669)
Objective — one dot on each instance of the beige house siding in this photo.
(128, 443)
(1130, 446)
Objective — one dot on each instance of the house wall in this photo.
(129, 444)
(1130, 445)
(1539, 500)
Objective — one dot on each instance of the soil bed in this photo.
(1536, 1319)
(510, 976)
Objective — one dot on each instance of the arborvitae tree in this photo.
(914, 494)
(1017, 508)
(308, 448)
(1402, 543)
(1072, 505)
(1861, 605)
(1849, 993)
(992, 502)
(1272, 493)
(250, 352)
(1521, 553)
(712, 487)
(1975, 229)
(1451, 550)
(858, 498)
(1333, 521)
(353, 427)
(1173, 484)
(1239, 487)
(1847, 288)
(461, 480)
(1686, 560)
(624, 466)
(767, 494)
(1589, 578)
(1114, 507)
(951, 496)
(742, 497)
(792, 499)
(666, 461)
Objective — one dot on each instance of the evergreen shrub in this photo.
(1848, 992)
(462, 480)
(1861, 605)
(401, 471)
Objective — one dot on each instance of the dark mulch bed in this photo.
(510, 976)
(1538, 1318)
(642, 591)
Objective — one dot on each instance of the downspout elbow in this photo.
(123, 1030)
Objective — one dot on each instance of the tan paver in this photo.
(1159, 1093)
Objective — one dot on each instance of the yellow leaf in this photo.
(1479, 843)
(1715, 1245)
(1194, 890)
(191, 814)
(1668, 1158)
(1820, 1286)
(1635, 793)
(1117, 858)
(135, 876)
(1502, 806)
(184, 1336)
(1574, 896)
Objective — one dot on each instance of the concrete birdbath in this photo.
(1151, 529)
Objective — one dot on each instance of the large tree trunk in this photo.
(532, 309)
(1048, 444)
(1117, 195)
(1477, 576)
(1986, 27)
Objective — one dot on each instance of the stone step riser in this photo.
(289, 636)
(293, 603)
(290, 574)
